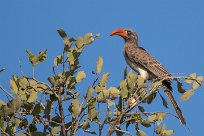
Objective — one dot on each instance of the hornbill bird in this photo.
(146, 65)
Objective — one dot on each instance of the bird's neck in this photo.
(131, 42)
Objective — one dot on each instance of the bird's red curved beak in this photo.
(120, 31)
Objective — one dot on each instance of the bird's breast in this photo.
(140, 70)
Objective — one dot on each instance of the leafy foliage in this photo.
(195, 82)
(34, 103)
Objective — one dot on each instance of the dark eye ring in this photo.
(128, 32)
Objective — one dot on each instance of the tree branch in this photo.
(6, 92)
(3, 132)
(61, 111)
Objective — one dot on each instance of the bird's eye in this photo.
(128, 32)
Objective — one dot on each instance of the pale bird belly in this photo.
(144, 74)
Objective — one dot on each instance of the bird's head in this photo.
(127, 34)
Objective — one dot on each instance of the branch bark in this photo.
(61, 111)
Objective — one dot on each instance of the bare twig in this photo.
(20, 66)
(33, 72)
(130, 107)
(123, 131)
(61, 111)
(95, 82)
(6, 92)
(102, 125)
(177, 73)
(3, 132)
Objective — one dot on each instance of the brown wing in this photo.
(143, 58)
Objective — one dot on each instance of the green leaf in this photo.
(161, 116)
(48, 107)
(15, 104)
(2, 103)
(33, 83)
(55, 130)
(140, 82)
(132, 77)
(67, 42)
(23, 82)
(40, 87)
(103, 95)
(98, 89)
(31, 55)
(168, 132)
(17, 121)
(70, 83)
(54, 80)
(165, 104)
(200, 79)
(193, 75)
(34, 59)
(124, 89)
(119, 133)
(104, 80)
(132, 80)
(2, 69)
(190, 78)
(24, 123)
(14, 87)
(72, 56)
(198, 82)
(141, 109)
(88, 38)
(33, 97)
(89, 93)
(58, 60)
(195, 85)
(99, 64)
(180, 88)
(146, 123)
(152, 118)
(15, 78)
(92, 112)
(187, 95)
(76, 95)
(141, 133)
(1, 121)
(151, 98)
(37, 109)
(80, 76)
(55, 119)
(22, 94)
(75, 108)
(32, 127)
(80, 42)
(42, 55)
(85, 125)
(125, 73)
(114, 93)
(189, 81)
(62, 34)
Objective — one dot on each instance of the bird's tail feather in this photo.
(167, 90)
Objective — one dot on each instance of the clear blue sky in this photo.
(171, 30)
